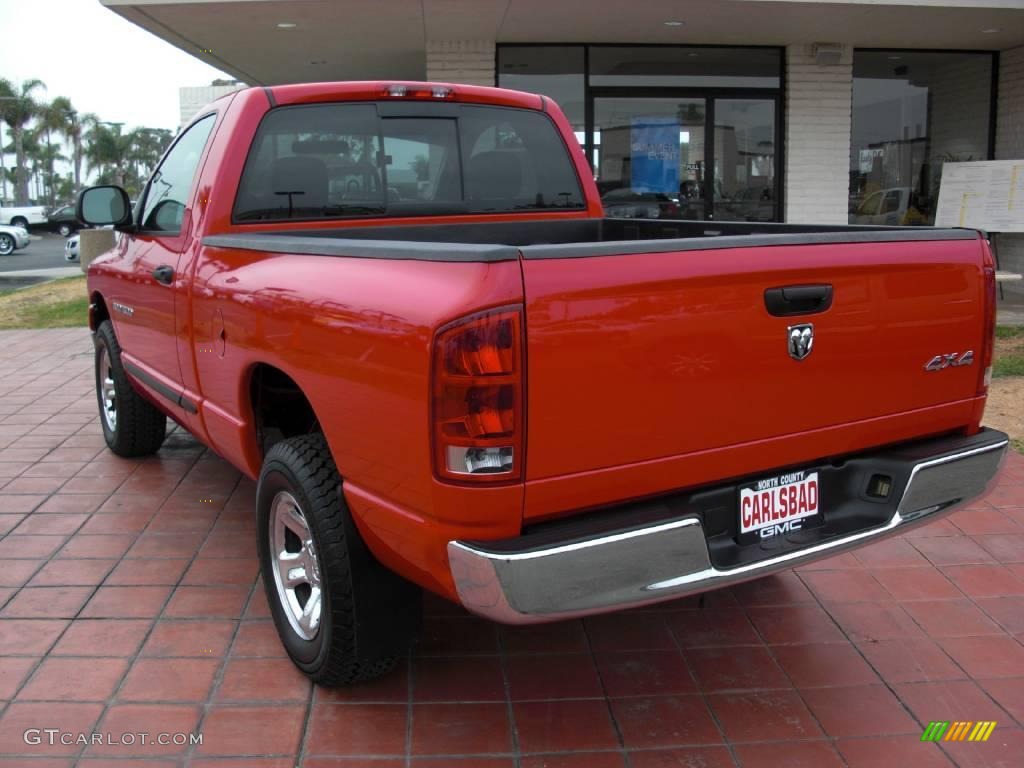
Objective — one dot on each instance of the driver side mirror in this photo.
(104, 206)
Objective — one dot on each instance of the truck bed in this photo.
(569, 238)
(656, 362)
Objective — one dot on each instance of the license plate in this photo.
(780, 504)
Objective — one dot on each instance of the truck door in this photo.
(146, 327)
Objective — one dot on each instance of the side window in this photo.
(892, 202)
(167, 194)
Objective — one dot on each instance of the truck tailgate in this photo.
(643, 356)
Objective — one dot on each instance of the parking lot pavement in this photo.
(129, 602)
(45, 251)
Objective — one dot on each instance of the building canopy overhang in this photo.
(282, 41)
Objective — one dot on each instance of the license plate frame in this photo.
(778, 505)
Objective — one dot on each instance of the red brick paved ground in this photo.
(128, 603)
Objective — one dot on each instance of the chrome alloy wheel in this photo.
(296, 568)
(108, 394)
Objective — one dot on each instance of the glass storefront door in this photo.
(658, 157)
(649, 157)
(744, 167)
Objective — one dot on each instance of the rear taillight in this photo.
(477, 409)
(989, 322)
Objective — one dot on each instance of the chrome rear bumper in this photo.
(533, 579)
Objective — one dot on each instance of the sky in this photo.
(102, 62)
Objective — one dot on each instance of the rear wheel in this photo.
(341, 615)
(7, 244)
(64, 230)
(19, 221)
(132, 426)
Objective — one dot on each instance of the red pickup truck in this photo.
(400, 308)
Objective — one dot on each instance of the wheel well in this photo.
(280, 408)
(97, 311)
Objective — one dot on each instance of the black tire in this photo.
(138, 427)
(368, 616)
(20, 221)
(7, 244)
(65, 230)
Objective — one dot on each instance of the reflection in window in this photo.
(422, 160)
(912, 112)
(679, 67)
(329, 161)
(745, 160)
(515, 161)
(551, 70)
(649, 157)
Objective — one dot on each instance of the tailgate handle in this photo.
(798, 300)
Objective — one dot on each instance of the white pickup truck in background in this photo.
(22, 215)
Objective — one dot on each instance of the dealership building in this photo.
(829, 112)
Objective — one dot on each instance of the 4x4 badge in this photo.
(801, 340)
(952, 360)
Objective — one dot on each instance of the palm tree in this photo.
(148, 145)
(65, 186)
(108, 150)
(17, 108)
(52, 118)
(71, 129)
(47, 155)
(9, 174)
(124, 159)
(32, 151)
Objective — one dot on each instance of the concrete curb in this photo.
(53, 273)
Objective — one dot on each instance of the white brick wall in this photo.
(192, 99)
(461, 61)
(817, 114)
(1010, 146)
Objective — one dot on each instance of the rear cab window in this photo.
(336, 161)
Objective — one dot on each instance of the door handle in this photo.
(798, 300)
(164, 274)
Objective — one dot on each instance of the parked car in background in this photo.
(753, 204)
(22, 215)
(63, 221)
(891, 207)
(482, 386)
(12, 238)
(624, 203)
(71, 248)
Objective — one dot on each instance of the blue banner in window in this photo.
(654, 154)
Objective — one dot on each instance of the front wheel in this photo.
(132, 426)
(341, 616)
(7, 244)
